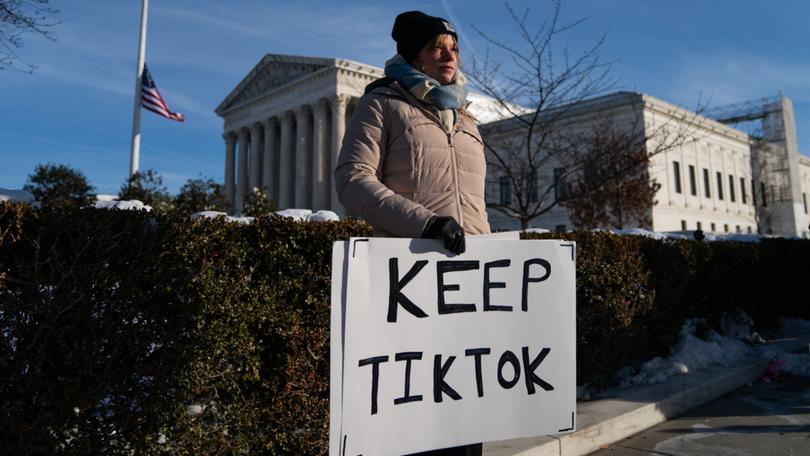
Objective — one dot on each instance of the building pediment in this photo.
(272, 72)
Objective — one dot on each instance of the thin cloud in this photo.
(240, 25)
(733, 78)
(88, 79)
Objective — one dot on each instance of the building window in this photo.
(742, 191)
(506, 191)
(676, 170)
(738, 229)
(560, 193)
(683, 225)
(753, 193)
(764, 196)
(714, 228)
(725, 227)
(719, 186)
(699, 226)
(532, 187)
(560, 228)
(731, 188)
(749, 230)
(692, 183)
(707, 190)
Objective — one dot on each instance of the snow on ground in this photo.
(737, 344)
(793, 363)
(16, 196)
(690, 353)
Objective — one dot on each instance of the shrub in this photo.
(139, 333)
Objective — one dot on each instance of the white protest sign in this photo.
(432, 351)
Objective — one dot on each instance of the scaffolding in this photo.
(774, 155)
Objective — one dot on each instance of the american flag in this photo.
(151, 99)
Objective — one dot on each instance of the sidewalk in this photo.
(615, 415)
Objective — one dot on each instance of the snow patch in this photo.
(295, 214)
(736, 344)
(689, 354)
(659, 235)
(106, 197)
(127, 205)
(216, 214)
(487, 109)
(323, 216)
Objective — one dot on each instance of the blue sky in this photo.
(76, 108)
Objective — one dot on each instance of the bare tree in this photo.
(18, 17)
(615, 188)
(537, 154)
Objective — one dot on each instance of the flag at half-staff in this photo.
(151, 99)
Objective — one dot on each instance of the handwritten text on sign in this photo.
(434, 348)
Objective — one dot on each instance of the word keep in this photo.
(397, 298)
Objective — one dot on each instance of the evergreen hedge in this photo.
(133, 333)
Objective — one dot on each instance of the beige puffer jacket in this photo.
(398, 166)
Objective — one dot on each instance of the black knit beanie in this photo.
(414, 29)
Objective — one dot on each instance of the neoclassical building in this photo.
(720, 180)
(284, 124)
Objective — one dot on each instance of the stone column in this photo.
(230, 165)
(269, 178)
(320, 159)
(241, 178)
(303, 158)
(255, 157)
(284, 177)
(338, 103)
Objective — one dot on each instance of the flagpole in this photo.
(135, 152)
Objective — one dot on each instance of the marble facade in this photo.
(283, 127)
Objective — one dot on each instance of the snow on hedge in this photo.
(215, 214)
(295, 214)
(127, 205)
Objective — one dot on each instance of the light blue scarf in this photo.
(447, 98)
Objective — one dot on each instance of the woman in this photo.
(412, 162)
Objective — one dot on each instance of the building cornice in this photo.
(615, 101)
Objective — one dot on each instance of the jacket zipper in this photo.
(456, 191)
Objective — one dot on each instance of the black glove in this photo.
(448, 229)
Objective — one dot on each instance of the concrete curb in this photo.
(618, 414)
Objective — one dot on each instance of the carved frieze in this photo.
(274, 74)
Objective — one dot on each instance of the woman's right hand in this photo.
(447, 229)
